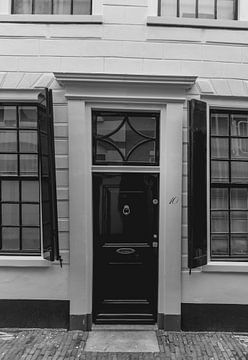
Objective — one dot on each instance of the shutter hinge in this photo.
(60, 261)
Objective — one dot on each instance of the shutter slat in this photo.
(197, 184)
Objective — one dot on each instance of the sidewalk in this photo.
(39, 344)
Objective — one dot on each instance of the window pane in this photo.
(81, 7)
(28, 117)
(239, 199)
(239, 148)
(10, 214)
(239, 125)
(219, 199)
(239, 245)
(22, 6)
(219, 245)
(107, 124)
(10, 239)
(219, 148)
(8, 141)
(8, 116)
(30, 214)
(239, 171)
(206, 9)
(62, 6)
(42, 7)
(239, 222)
(219, 124)
(219, 221)
(219, 171)
(225, 9)
(144, 153)
(28, 141)
(10, 191)
(187, 8)
(106, 152)
(145, 125)
(28, 165)
(8, 164)
(30, 191)
(168, 8)
(31, 239)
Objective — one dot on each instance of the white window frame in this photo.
(242, 9)
(5, 8)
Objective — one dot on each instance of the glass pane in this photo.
(8, 164)
(31, 239)
(107, 153)
(28, 116)
(206, 9)
(219, 124)
(239, 125)
(8, 116)
(81, 7)
(219, 199)
(219, 245)
(61, 6)
(239, 222)
(10, 191)
(42, 7)
(30, 214)
(28, 165)
(239, 245)
(8, 141)
(219, 221)
(10, 214)
(239, 148)
(219, 171)
(144, 125)
(10, 239)
(144, 153)
(106, 124)
(225, 9)
(219, 148)
(30, 191)
(187, 8)
(168, 8)
(239, 171)
(28, 141)
(22, 6)
(239, 199)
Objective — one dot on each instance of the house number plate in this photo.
(125, 251)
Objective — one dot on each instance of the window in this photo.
(204, 9)
(129, 138)
(65, 7)
(229, 184)
(28, 215)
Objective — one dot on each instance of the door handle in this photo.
(154, 244)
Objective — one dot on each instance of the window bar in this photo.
(196, 9)
(20, 215)
(229, 187)
(71, 7)
(215, 9)
(52, 8)
(33, 8)
(159, 7)
(1, 215)
(235, 10)
(178, 8)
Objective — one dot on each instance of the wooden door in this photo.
(125, 247)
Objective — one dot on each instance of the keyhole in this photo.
(126, 210)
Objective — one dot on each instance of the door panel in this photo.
(125, 247)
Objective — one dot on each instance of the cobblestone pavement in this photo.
(62, 345)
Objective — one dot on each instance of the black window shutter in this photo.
(48, 180)
(197, 184)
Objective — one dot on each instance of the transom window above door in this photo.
(65, 7)
(204, 9)
(129, 138)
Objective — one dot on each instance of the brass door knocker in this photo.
(126, 210)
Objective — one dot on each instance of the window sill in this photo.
(23, 261)
(225, 266)
(197, 23)
(52, 19)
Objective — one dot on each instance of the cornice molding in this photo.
(180, 81)
(21, 95)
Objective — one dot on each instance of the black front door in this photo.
(125, 248)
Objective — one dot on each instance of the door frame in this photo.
(167, 95)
